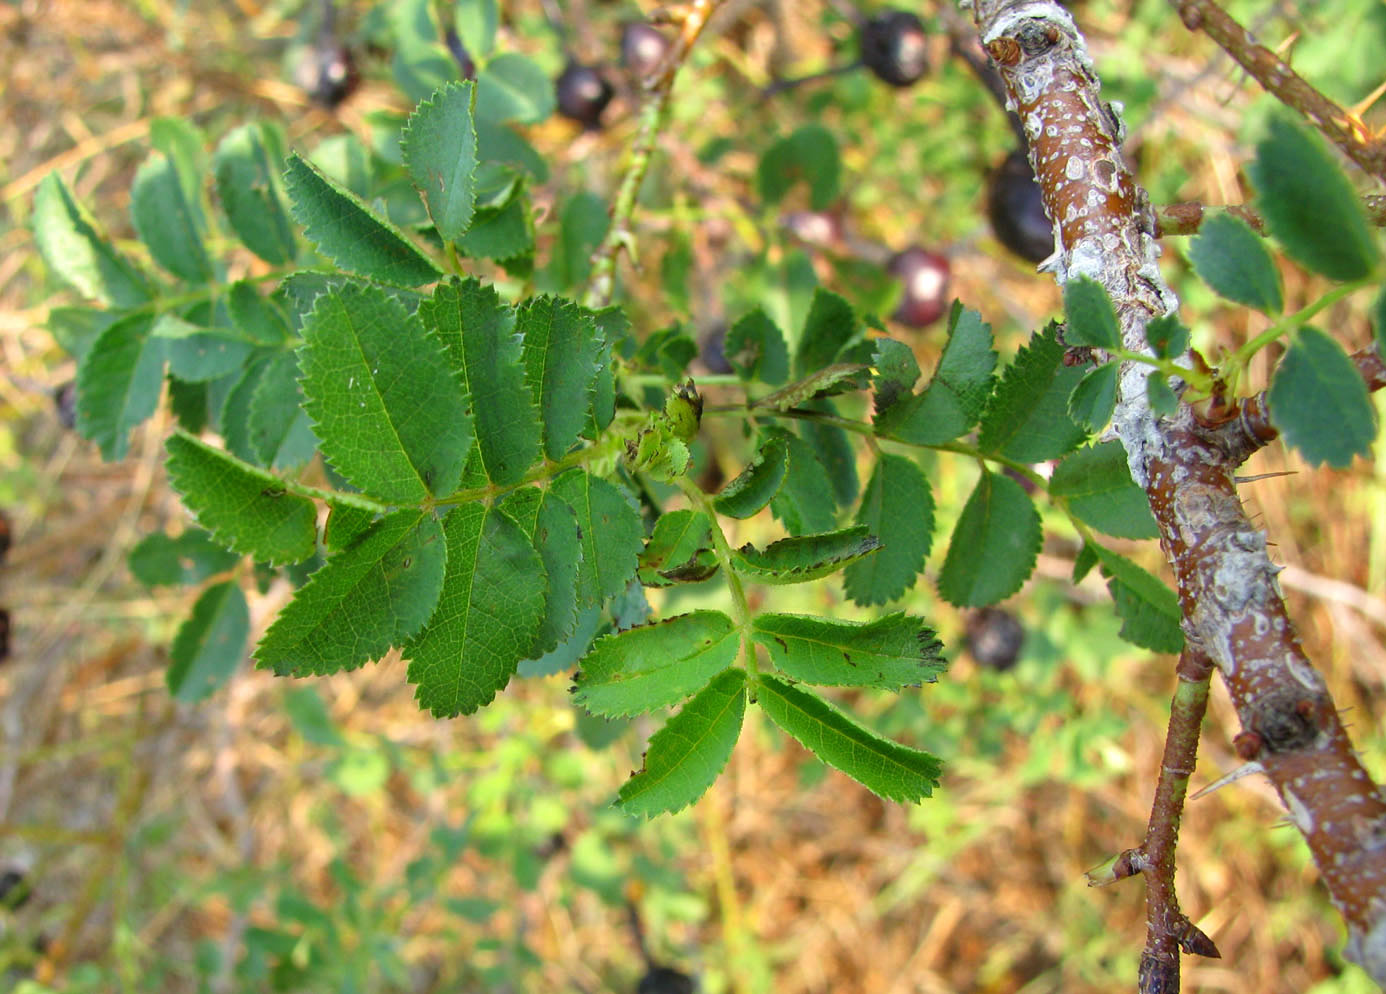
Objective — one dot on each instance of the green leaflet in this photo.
(958, 392)
(278, 429)
(581, 228)
(503, 233)
(889, 653)
(805, 499)
(1167, 336)
(185, 145)
(210, 643)
(757, 484)
(655, 665)
(257, 318)
(346, 523)
(234, 417)
(1027, 418)
(118, 383)
(1096, 484)
(899, 505)
(897, 371)
(1309, 205)
(552, 528)
(828, 329)
(886, 768)
(345, 230)
(1160, 395)
(1379, 321)
(611, 531)
(561, 349)
(163, 560)
(73, 249)
(808, 155)
(1148, 609)
(824, 382)
(679, 550)
(806, 557)
(512, 87)
(1094, 398)
(373, 594)
(1090, 317)
(487, 619)
(246, 510)
(690, 751)
(248, 187)
(994, 544)
(390, 415)
(756, 349)
(834, 450)
(1319, 402)
(166, 221)
(479, 333)
(197, 353)
(1234, 261)
(439, 147)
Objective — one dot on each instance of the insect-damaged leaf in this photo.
(891, 652)
(656, 665)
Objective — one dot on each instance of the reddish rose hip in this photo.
(583, 94)
(924, 276)
(893, 46)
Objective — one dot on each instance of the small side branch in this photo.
(1268, 69)
(1186, 218)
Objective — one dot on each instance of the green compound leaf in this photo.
(897, 371)
(1167, 336)
(958, 392)
(1097, 486)
(994, 544)
(1309, 205)
(679, 550)
(829, 328)
(690, 751)
(345, 230)
(898, 504)
(886, 768)
(166, 222)
(827, 381)
(1027, 419)
(487, 618)
(210, 643)
(808, 155)
(756, 349)
(118, 383)
(757, 484)
(804, 557)
(890, 653)
(1094, 398)
(1148, 609)
(611, 531)
(1319, 402)
(1230, 258)
(1090, 317)
(480, 336)
(279, 431)
(72, 248)
(552, 528)
(161, 560)
(562, 347)
(374, 593)
(439, 148)
(654, 666)
(246, 509)
(248, 187)
(392, 418)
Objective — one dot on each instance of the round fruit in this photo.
(665, 980)
(642, 48)
(924, 275)
(994, 638)
(1016, 209)
(583, 94)
(893, 47)
(330, 75)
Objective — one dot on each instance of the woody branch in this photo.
(1231, 603)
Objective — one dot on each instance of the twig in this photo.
(1187, 218)
(600, 285)
(1248, 426)
(1231, 605)
(1268, 69)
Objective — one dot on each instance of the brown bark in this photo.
(1232, 608)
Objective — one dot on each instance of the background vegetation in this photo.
(328, 835)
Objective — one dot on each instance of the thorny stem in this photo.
(653, 114)
(1231, 604)
(1268, 69)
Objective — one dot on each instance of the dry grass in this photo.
(134, 813)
